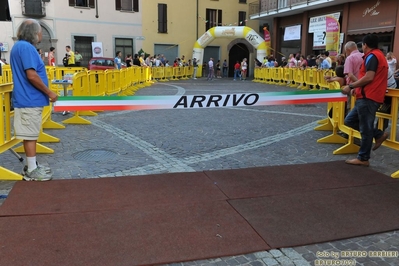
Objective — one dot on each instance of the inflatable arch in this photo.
(231, 32)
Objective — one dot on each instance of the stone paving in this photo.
(161, 141)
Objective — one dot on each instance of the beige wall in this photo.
(183, 21)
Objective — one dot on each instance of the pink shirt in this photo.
(352, 64)
(292, 62)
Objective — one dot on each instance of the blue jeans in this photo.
(236, 73)
(361, 118)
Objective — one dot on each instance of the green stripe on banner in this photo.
(97, 103)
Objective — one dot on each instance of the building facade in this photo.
(169, 27)
(172, 27)
(115, 25)
(357, 18)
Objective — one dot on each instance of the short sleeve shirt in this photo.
(23, 57)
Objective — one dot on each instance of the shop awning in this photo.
(370, 30)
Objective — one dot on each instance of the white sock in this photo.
(31, 163)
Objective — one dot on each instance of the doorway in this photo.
(83, 45)
(237, 53)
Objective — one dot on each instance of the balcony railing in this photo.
(266, 6)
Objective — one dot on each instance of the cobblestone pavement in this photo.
(160, 141)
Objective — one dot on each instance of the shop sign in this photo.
(372, 10)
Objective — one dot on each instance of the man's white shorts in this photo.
(28, 122)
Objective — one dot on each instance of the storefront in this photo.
(356, 19)
(374, 16)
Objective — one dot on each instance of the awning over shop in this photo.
(370, 30)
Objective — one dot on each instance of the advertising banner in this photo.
(332, 36)
(97, 49)
(267, 40)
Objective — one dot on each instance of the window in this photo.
(162, 18)
(5, 13)
(34, 8)
(282, 4)
(242, 1)
(213, 18)
(124, 45)
(82, 3)
(242, 16)
(127, 5)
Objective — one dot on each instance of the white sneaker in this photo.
(46, 169)
(38, 174)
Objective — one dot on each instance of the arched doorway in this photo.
(233, 32)
(45, 44)
(238, 52)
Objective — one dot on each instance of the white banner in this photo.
(319, 39)
(318, 24)
(292, 33)
(97, 49)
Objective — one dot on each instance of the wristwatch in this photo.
(351, 86)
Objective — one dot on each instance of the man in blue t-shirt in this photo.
(30, 95)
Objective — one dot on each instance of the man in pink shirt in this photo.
(353, 61)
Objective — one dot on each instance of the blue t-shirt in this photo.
(118, 62)
(24, 56)
(325, 64)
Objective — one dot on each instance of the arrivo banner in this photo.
(117, 103)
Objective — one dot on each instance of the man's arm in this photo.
(371, 68)
(37, 82)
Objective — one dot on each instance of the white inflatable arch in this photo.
(232, 32)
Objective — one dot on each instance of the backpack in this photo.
(65, 61)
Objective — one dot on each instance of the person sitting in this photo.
(340, 77)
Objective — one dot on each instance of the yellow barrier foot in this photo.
(326, 127)
(323, 121)
(39, 149)
(44, 137)
(349, 148)
(87, 113)
(6, 174)
(395, 175)
(333, 138)
(50, 124)
(77, 120)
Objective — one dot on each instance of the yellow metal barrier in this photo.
(187, 72)
(6, 77)
(277, 75)
(335, 121)
(112, 78)
(311, 78)
(7, 138)
(168, 73)
(158, 73)
(257, 74)
(97, 84)
(299, 79)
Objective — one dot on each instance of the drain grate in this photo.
(94, 155)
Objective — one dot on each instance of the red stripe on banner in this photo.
(304, 101)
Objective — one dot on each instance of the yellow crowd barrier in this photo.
(335, 123)
(6, 76)
(304, 79)
(126, 81)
